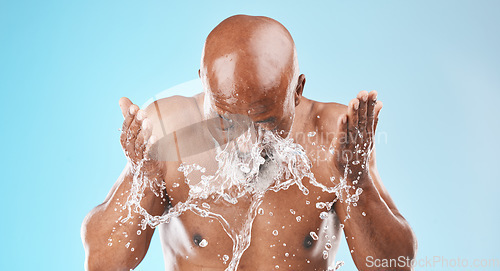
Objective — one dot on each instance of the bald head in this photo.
(249, 63)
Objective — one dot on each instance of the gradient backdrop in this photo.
(65, 64)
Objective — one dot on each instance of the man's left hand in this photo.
(354, 142)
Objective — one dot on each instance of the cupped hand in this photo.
(137, 140)
(355, 138)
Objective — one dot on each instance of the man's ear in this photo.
(300, 88)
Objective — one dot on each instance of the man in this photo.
(249, 68)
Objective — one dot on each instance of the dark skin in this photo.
(248, 68)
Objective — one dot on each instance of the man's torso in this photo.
(287, 232)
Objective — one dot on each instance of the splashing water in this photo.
(272, 163)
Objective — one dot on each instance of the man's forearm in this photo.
(373, 229)
(111, 243)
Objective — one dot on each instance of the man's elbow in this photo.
(412, 244)
(402, 248)
(407, 249)
(98, 261)
(409, 241)
(95, 257)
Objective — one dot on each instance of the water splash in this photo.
(271, 163)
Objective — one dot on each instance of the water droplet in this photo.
(132, 249)
(110, 244)
(138, 232)
(174, 185)
(275, 232)
(205, 205)
(314, 236)
(292, 211)
(325, 254)
(320, 205)
(328, 245)
(338, 265)
(299, 218)
(323, 215)
(270, 213)
(261, 211)
(244, 168)
(225, 258)
(203, 243)
(363, 213)
(311, 134)
(287, 254)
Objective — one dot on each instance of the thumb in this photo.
(125, 104)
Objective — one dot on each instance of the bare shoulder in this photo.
(323, 116)
(173, 113)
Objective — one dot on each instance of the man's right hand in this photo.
(137, 141)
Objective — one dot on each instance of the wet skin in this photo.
(266, 250)
(249, 69)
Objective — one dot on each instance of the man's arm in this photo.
(375, 228)
(111, 243)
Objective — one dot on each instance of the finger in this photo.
(149, 153)
(142, 138)
(372, 100)
(363, 98)
(125, 104)
(352, 120)
(131, 112)
(378, 107)
(133, 132)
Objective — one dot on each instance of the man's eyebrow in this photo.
(271, 119)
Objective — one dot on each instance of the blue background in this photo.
(65, 64)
